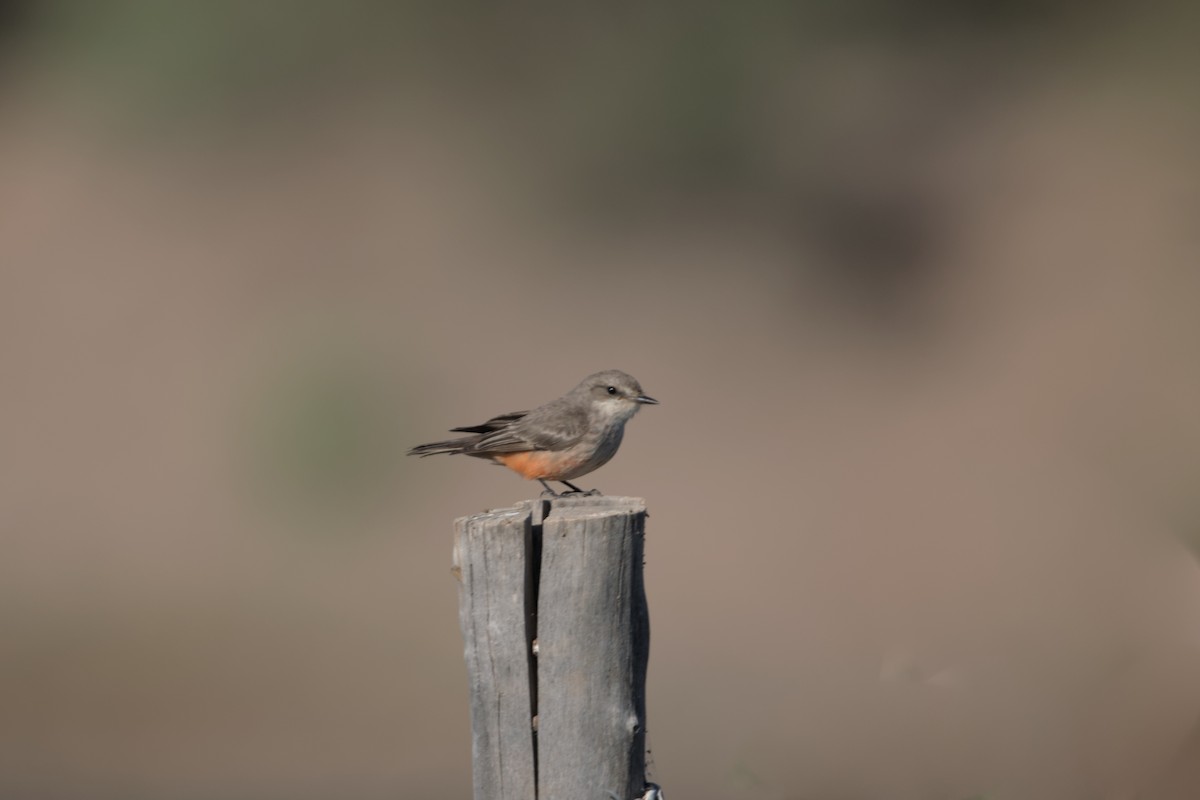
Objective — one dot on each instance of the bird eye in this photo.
(612, 390)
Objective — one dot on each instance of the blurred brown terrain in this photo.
(916, 285)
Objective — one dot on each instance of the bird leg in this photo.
(576, 490)
(549, 492)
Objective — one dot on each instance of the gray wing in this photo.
(468, 445)
(492, 425)
(554, 426)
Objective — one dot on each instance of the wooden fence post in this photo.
(557, 636)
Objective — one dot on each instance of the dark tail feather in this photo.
(450, 447)
(459, 446)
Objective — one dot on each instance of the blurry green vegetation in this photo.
(814, 118)
(218, 57)
(629, 103)
(320, 439)
(682, 70)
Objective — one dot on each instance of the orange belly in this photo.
(538, 464)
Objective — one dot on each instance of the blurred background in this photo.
(915, 283)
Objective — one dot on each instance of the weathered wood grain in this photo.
(491, 554)
(593, 643)
(566, 576)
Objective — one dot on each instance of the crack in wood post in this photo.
(533, 575)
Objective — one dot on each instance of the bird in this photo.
(561, 440)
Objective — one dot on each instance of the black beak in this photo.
(641, 398)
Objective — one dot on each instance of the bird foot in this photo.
(571, 491)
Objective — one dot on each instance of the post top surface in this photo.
(575, 507)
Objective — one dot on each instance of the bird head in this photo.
(615, 393)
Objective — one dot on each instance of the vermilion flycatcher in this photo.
(558, 441)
